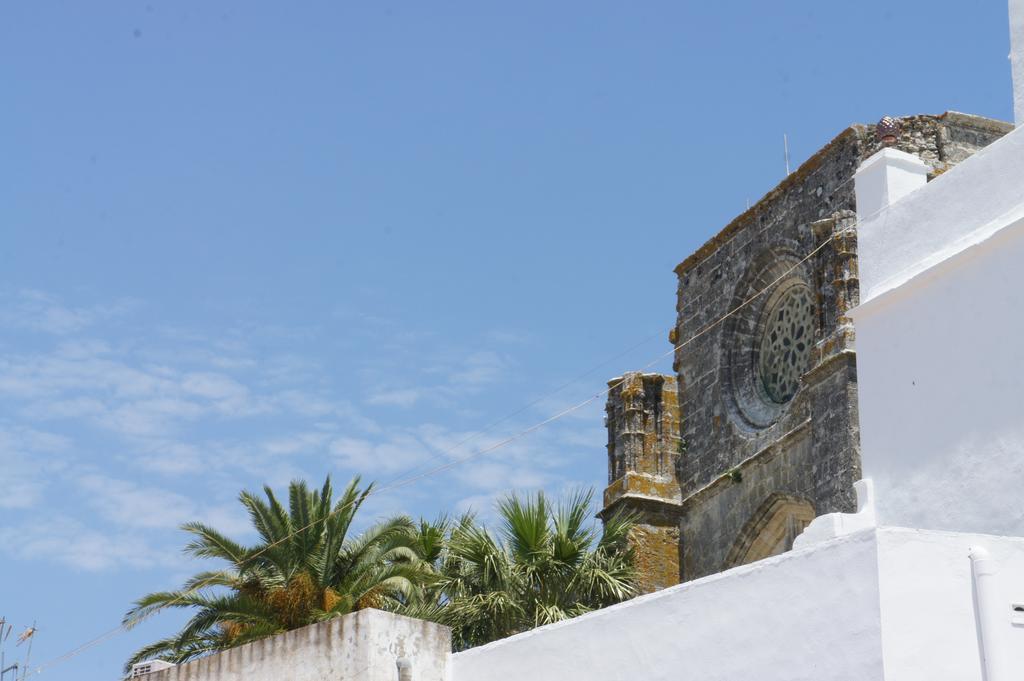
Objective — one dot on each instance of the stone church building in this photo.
(756, 432)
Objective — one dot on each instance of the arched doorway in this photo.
(771, 530)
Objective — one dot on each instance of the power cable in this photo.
(405, 481)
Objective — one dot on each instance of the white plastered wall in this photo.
(811, 614)
(885, 603)
(930, 610)
(940, 361)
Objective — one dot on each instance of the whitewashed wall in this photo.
(929, 608)
(957, 209)
(811, 614)
(940, 349)
(878, 604)
(883, 603)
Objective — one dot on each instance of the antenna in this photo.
(4, 667)
(28, 635)
(785, 148)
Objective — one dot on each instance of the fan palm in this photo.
(546, 563)
(306, 568)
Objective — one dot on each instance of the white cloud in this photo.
(227, 417)
(154, 417)
(450, 382)
(500, 476)
(39, 311)
(135, 505)
(67, 541)
(138, 506)
(298, 443)
(85, 549)
(88, 382)
(227, 395)
(169, 457)
(398, 452)
(405, 397)
(28, 460)
(588, 408)
(215, 387)
(478, 369)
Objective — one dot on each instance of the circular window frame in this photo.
(747, 400)
(769, 310)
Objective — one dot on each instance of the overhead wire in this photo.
(493, 424)
(401, 481)
(405, 481)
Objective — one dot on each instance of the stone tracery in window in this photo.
(785, 348)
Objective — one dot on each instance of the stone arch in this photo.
(771, 529)
(777, 270)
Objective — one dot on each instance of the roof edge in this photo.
(798, 175)
(814, 161)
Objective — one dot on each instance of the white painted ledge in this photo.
(973, 200)
(833, 525)
(885, 178)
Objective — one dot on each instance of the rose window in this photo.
(786, 343)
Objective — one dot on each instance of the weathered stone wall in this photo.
(656, 540)
(643, 463)
(643, 426)
(369, 645)
(741, 448)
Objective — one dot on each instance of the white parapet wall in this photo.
(878, 604)
(940, 355)
(368, 645)
(882, 603)
(811, 614)
(956, 210)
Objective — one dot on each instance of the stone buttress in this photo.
(644, 448)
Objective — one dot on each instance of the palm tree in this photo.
(546, 564)
(305, 569)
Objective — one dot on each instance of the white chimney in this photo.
(887, 177)
(1017, 58)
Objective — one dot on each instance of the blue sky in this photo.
(244, 242)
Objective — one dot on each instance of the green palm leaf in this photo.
(306, 568)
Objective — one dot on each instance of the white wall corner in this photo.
(887, 177)
(1017, 58)
(832, 525)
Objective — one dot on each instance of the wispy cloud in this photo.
(90, 382)
(509, 337)
(28, 459)
(146, 431)
(402, 397)
(70, 542)
(309, 442)
(478, 369)
(39, 311)
(444, 381)
(395, 453)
